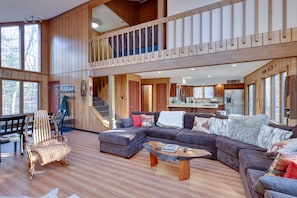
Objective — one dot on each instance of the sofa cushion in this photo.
(270, 135)
(147, 120)
(246, 128)
(285, 146)
(232, 147)
(218, 126)
(189, 118)
(122, 136)
(280, 163)
(192, 137)
(291, 171)
(159, 132)
(275, 194)
(252, 159)
(279, 184)
(136, 120)
(201, 124)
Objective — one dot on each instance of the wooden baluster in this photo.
(284, 18)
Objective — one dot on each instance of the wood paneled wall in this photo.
(68, 44)
(275, 66)
(154, 83)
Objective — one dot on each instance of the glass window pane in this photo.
(30, 97)
(252, 99)
(267, 96)
(208, 92)
(10, 97)
(32, 46)
(198, 92)
(10, 47)
(276, 99)
(283, 79)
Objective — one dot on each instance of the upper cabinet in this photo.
(173, 90)
(219, 90)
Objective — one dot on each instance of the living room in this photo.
(65, 59)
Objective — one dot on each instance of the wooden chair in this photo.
(42, 146)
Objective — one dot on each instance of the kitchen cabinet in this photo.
(173, 90)
(219, 90)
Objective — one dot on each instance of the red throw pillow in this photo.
(291, 171)
(136, 120)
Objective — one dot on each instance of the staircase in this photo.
(101, 106)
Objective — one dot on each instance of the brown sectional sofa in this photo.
(250, 160)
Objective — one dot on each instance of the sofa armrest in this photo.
(279, 184)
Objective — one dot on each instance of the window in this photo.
(11, 93)
(10, 47)
(283, 79)
(252, 99)
(13, 48)
(10, 97)
(267, 96)
(32, 48)
(274, 94)
(30, 97)
(276, 98)
(204, 92)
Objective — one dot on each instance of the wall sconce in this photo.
(83, 88)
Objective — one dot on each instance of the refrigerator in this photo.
(234, 101)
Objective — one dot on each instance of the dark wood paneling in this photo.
(127, 10)
(173, 90)
(234, 86)
(161, 97)
(148, 11)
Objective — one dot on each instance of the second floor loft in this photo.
(223, 26)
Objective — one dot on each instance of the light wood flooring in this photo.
(95, 174)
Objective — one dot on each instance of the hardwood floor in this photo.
(95, 174)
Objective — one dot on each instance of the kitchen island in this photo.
(195, 107)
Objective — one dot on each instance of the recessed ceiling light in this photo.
(159, 72)
(208, 76)
(234, 65)
(192, 69)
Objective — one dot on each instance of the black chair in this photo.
(11, 130)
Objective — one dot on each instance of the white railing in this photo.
(222, 26)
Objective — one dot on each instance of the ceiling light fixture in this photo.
(32, 19)
(234, 65)
(96, 23)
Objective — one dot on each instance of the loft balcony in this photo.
(184, 39)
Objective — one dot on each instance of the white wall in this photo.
(178, 6)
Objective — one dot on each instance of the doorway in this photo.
(147, 98)
(53, 96)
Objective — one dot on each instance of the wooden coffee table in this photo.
(181, 155)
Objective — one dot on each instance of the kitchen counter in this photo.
(194, 107)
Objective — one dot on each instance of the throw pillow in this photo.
(171, 119)
(246, 128)
(201, 124)
(291, 171)
(128, 122)
(280, 163)
(269, 135)
(147, 120)
(218, 126)
(136, 120)
(286, 146)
